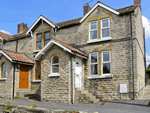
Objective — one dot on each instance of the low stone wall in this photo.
(27, 109)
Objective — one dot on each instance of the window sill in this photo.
(103, 76)
(36, 51)
(36, 80)
(99, 40)
(3, 78)
(54, 75)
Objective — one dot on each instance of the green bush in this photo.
(6, 108)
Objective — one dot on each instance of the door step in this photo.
(88, 95)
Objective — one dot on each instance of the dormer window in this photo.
(93, 30)
(46, 37)
(38, 41)
(105, 28)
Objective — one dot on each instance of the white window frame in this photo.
(54, 64)
(93, 30)
(105, 27)
(94, 63)
(106, 62)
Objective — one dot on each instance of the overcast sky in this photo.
(13, 12)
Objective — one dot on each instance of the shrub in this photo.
(9, 103)
(6, 108)
(34, 105)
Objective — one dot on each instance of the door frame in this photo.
(82, 83)
(28, 79)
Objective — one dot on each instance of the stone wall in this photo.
(56, 89)
(6, 85)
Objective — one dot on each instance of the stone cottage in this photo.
(97, 57)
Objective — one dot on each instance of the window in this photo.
(55, 65)
(38, 70)
(106, 62)
(38, 41)
(0, 45)
(105, 28)
(46, 37)
(93, 30)
(3, 70)
(94, 63)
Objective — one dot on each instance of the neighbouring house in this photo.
(99, 56)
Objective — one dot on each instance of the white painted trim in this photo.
(106, 62)
(5, 55)
(94, 63)
(81, 56)
(49, 44)
(54, 75)
(102, 5)
(1, 38)
(105, 27)
(100, 40)
(54, 64)
(35, 51)
(41, 17)
(93, 30)
(36, 80)
(103, 76)
(2, 79)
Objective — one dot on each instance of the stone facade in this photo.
(58, 89)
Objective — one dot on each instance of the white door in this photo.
(78, 73)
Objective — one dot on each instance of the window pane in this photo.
(55, 68)
(93, 25)
(47, 36)
(46, 42)
(106, 56)
(38, 74)
(38, 64)
(105, 23)
(105, 32)
(0, 45)
(38, 45)
(4, 70)
(93, 34)
(94, 69)
(106, 68)
(39, 37)
(93, 58)
(55, 60)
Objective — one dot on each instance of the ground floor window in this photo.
(106, 62)
(55, 65)
(3, 74)
(38, 70)
(94, 64)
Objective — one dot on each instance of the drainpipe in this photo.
(132, 56)
(14, 81)
(144, 53)
(71, 80)
(14, 71)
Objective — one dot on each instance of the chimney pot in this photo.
(86, 8)
(137, 2)
(22, 28)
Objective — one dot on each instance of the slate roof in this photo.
(71, 48)
(17, 57)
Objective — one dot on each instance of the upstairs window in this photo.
(38, 70)
(93, 30)
(3, 70)
(46, 37)
(55, 65)
(106, 62)
(39, 41)
(94, 63)
(0, 45)
(105, 28)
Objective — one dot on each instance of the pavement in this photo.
(132, 106)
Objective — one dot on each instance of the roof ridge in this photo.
(68, 20)
(126, 7)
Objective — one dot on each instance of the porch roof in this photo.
(64, 46)
(16, 57)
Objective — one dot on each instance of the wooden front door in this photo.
(24, 77)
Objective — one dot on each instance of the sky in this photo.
(14, 12)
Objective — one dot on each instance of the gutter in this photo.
(144, 53)
(71, 80)
(132, 55)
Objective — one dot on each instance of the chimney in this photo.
(137, 2)
(86, 8)
(22, 28)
